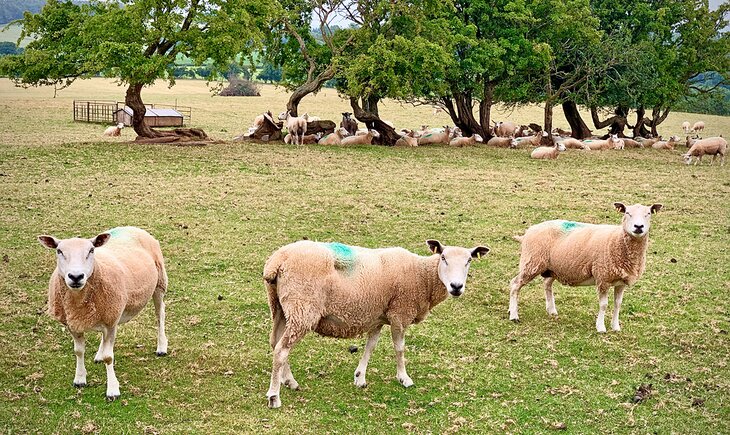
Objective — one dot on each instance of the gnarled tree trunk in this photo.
(617, 122)
(579, 129)
(368, 114)
(133, 99)
(307, 88)
(641, 122)
(485, 109)
(657, 117)
(460, 107)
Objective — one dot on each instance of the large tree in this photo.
(135, 41)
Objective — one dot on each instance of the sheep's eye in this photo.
(58, 251)
(91, 251)
(443, 258)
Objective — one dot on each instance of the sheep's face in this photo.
(637, 218)
(74, 257)
(561, 146)
(454, 264)
(687, 158)
(283, 116)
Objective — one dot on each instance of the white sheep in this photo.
(407, 140)
(296, 125)
(685, 127)
(345, 291)
(713, 146)
(580, 254)
(466, 141)
(603, 144)
(114, 130)
(436, 138)
(547, 152)
(505, 129)
(359, 139)
(502, 142)
(632, 143)
(574, 144)
(666, 145)
(698, 126)
(334, 138)
(309, 118)
(102, 282)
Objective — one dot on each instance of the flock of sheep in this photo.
(334, 289)
(503, 135)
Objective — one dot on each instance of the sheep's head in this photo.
(284, 116)
(120, 126)
(687, 158)
(560, 146)
(74, 257)
(637, 218)
(478, 138)
(512, 142)
(454, 264)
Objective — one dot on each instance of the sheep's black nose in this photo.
(456, 286)
(638, 227)
(75, 278)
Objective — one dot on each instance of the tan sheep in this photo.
(573, 144)
(631, 143)
(465, 141)
(713, 146)
(407, 140)
(359, 139)
(505, 129)
(334, 138)
(502, 142)
(579, 254)
(102, 282)
(345, 291)
(698, 126)
(114, 130)
(603, 144)
(436, 137)
(546, 153)
(649, 142)
(685, 127)
(666, 145)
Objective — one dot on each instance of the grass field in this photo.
(220, 210)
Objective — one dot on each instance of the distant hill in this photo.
(11, 10)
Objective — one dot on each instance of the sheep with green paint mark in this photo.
(345, 291)
(580, 254)
(436, 138)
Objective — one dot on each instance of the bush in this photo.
(238, 87)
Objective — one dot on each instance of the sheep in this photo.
(345, 291)
(580, 254)
(407, 140)
(505, 129)
(309, 118)
(572, 143)
(114, 130)
(532, 140)
(631, 143)
(296, 125)
(360, 139)
(711, 146)
(561, 132)
(334, 138)
(665, 145)
(603, 144)
(465, 141)
(649, 142)
(685, 127)
(435, 138)
(547, 152)
(348, 123)
(502, 142)
(618, 144)
(698, 126)
(102, 282)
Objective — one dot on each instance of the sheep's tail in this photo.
(271, 274)
(518, 238)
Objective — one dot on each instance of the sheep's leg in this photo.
(112, 384)
(618, 296)
(160, 311)
(550, 297)
(602, 305)
(363, 366)
(712, 162)
(79, 349)
(398, 334)
(98, 359)
(516, 284)
(277, 330)
(292, 334)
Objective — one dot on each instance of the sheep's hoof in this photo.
(159, 353)
(291, 384)
(79, 384)
(112, 398)
(515, 320)
(406, 382)
(274, 402)
(98, 361)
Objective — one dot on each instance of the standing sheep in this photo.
(348, 123)
(579, 254)
(296, 125)
(547, 152)
(698, 126)
(505, 129)
(114, 130)
(711, 146)
(685, 127)
(345, 291)
(102, 282)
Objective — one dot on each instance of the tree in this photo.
(7, 48)
(136, 42)
(270, 74)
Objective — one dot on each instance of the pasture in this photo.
(220, 210)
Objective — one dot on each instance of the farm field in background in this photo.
(220, 210)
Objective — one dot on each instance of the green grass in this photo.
(220, 210)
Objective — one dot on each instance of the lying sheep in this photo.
(360, 139)
(296, 125)
(574, 144)
(649, 142)
(603, 144)
(698, 126)
(436, 138)
(666, 145)
(348, 123)
(685, 127)
(102, 282)
(407, 140)
(502, 142)
(345, 291)
(579, 254)
(307, 139)
(114, 130)
(547, 152)
(713, 146)
(465, 141)
(631, 143)
(334, 138)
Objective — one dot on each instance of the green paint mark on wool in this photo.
(344, 255)
(569, 226)
(118, 231)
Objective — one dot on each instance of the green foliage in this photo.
(9, 48)
(270, 73)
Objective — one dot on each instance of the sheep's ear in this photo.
(435, 246)
(101, 239)
(620, 207)
(656, 207)
(49, 242)
(479, 251)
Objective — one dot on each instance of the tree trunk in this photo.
(368, 114)
(460, 110)
(485, 110)
(307, 88)
(133, 99)
(641, 122)
(579, 129)
(548, 124)
(617, 122)
(657, 118)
